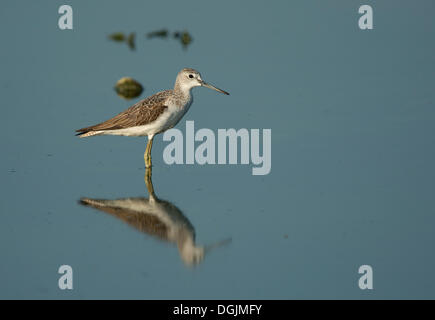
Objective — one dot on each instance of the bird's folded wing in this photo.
(141, 113)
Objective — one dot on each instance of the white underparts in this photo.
(165, 121)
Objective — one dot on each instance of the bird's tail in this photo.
(84, 134)
(87, 132)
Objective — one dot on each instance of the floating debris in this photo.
(163, 33)
(128, 88)
(131, 41)
(121, 37)
(185, 38)
(117, 36)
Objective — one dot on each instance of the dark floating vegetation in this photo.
(183, 37)
(158, 34)
(117, 36)
(121, 37)
(128, 88)
(131, 41)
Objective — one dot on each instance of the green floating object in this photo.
(163, 33)
(117, 36)
(184, 37)
(121, 37)
(131, 41)
(128, 88)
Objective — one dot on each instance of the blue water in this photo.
(352, 180)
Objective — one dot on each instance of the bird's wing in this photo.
(141, 113)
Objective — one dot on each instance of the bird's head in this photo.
(189, 78)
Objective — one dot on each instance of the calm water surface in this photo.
(352, 180)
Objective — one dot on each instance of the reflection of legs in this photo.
(147, 155)
(149, 182)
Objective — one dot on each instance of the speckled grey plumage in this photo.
(135, 120)
(141, 113)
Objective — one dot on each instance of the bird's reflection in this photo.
(158, 218)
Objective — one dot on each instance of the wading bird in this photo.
(154, 114)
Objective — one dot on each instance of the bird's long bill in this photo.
(207, 85)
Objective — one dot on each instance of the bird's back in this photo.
(141, 113)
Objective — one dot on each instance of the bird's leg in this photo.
(149, 182)
(147, 155)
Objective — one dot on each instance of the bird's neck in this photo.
(184, 92)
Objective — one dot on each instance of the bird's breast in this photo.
(176, 111)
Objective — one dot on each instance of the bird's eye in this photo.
(190, 76)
